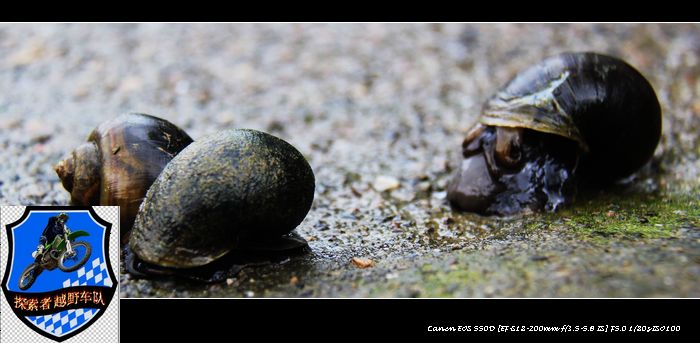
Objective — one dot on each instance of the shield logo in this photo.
(58, 277)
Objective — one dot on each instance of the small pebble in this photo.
(424, 186)
(385, 183)
(229, 281)
(28, 53)
(403, 195)
(562, 273)
(249, 294)
(668, 281)
(362, 262)
(439, 195)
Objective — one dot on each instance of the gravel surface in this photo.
(379, 110)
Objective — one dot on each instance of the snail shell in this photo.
(119, 162)
(599, 101)
(234, 186)
(572, 116)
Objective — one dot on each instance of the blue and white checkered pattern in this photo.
(92, 274)
(65, 321)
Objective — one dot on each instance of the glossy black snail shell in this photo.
(237, 189)
(572, 118)
(119, 162)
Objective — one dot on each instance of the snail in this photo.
(229, 200)
(119, 162)
(235, 191)
(571, 119)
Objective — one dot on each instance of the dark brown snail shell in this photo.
(571, 117)
(235, 190)
(119, 162)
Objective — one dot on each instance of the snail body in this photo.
(119, 162)
(572, 117)
(237, 189)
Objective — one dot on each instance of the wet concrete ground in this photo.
(379, 110)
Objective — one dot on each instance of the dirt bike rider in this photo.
(55, 227)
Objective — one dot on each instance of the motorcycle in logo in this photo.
(58, 279)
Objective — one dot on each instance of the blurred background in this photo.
(380, 111)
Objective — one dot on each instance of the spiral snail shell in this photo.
(573, 117)
(234, 186)
(119, 162)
